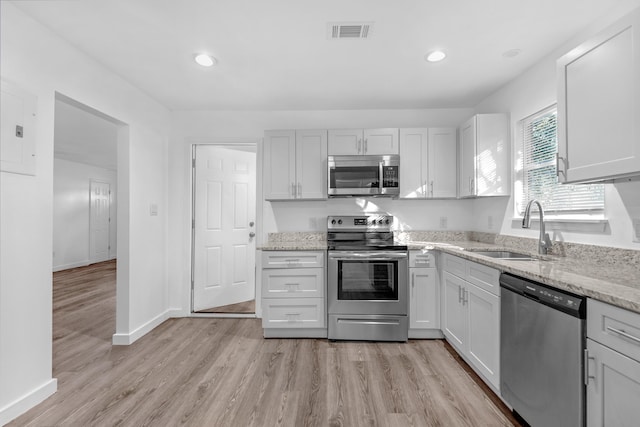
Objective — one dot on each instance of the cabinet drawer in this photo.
(292, 259)
(484, 277)
(293, 313)
(614, 327)
(422, 259)
(293, 282)
(454, 265)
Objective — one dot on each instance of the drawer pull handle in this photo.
(292, 314)
(624, 334)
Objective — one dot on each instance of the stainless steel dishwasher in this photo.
(542, 333)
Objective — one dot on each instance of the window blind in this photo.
(539, 180)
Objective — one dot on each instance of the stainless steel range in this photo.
(367, 280)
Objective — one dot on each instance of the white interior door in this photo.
(100, 219)
(224, 226)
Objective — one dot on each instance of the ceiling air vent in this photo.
(350, 30)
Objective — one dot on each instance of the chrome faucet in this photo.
(544, 243)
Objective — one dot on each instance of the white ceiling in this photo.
(83, 136)
(276, 54)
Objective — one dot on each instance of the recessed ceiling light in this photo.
(511, 53)
(205, 60)
(435, 56)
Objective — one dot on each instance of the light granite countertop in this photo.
(610, 275)
(614, 284)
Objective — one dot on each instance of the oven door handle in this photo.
(371, 256)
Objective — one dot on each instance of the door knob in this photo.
(251, 224)
(252, 234)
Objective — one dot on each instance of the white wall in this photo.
(529, 93)
(41, 63)
(71, 212)
(206, 126)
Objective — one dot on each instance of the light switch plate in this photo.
(153, 209)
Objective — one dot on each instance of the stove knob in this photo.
(339, 221)
(333, 221)
(386, 222)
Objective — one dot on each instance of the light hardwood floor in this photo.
(222, 372)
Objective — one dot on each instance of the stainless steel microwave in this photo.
(364, 176)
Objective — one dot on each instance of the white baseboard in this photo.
(133, 336)
(28, 401)
(428, 334)
(71, 265)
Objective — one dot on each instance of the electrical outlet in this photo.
(490, 222)
(636, 230)
(443, 222)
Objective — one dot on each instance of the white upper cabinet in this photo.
(363, 141)
(484, 156)
(311, 164)
(442, 162)
(428, 163)
(413, 163)
(295, 165)
(599, 105)
(381, 141)
(279, 164)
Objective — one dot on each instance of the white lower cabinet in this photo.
(293, 294)
(293, 313)
(424, 296)
(471, 316)
(455, 316)
(613, 366)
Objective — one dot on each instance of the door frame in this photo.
(232, 142)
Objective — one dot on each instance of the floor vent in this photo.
(350, 30)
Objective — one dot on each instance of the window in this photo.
(538, 172)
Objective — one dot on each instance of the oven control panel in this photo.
(371, 222)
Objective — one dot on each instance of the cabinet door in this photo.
(311, 164)
(613, 388)
(454, 314)
(467, 159)
(381, 141)
(484, 332)
(492, 162)
(423, 307)
(345, 142)
(279, 165)
(443, 170)
(599, 104)
(413, 163)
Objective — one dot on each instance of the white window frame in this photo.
(576, 216)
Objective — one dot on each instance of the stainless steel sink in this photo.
(505, 255)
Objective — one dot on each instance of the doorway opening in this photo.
(90, 169)
(223, 282)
